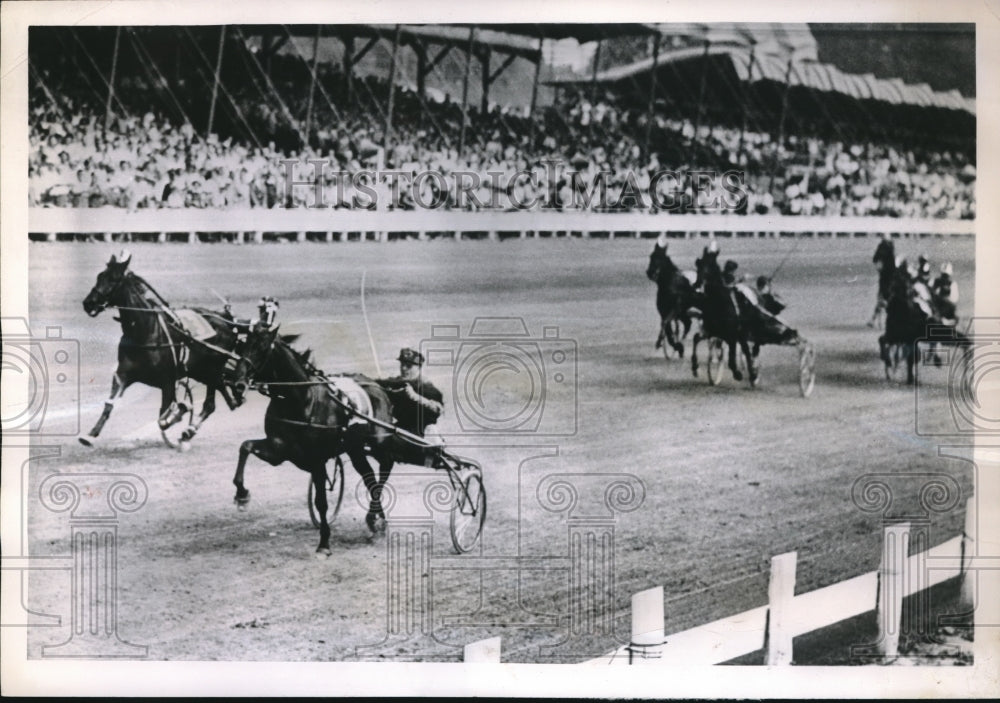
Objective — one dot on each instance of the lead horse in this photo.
(309, 421)
(158, 350)
(674, 298)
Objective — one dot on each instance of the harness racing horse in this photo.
(721, 317)
(157, 349)
(309, 420)
(674, 298)
(910, 318)
(885, 260)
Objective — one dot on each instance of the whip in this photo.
(783, 260)
(364, 313)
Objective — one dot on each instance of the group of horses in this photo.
(308, 419)
(729, 313)
(311, 419)
(912, 315)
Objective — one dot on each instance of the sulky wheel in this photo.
(807, 369)
(468, 513)
(172, 435)
(334, 493)
(716, 360)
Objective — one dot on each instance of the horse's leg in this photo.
(751, 357)
(732, 359)
(118, 386)
(385, 465)
(694, 353)
(912, 357)
(359, 460)
(660, 336)
(169, 410)
(883, 351)
(268, 449)
(206, 409)
(318, 474)
(668, 325)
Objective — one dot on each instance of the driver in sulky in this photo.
(416, 404)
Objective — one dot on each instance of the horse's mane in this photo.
(305, 359)
(145, 286)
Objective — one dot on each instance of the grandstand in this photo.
(202, 117)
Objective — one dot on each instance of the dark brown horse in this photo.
(674, 298)
(909, 320)
(721, 317)
(308, 421)
(157, 349)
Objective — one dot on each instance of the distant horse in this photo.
(309, 421)
(885, 260)
(721, 317)
(158, 349)
(908, 320)
(674, 299)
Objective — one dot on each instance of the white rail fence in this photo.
(311, 224)
(774, 626)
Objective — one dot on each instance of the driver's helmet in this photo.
(267, 309)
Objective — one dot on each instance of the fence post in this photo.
(780, 593)
(483, 652)
(968, 593)
(895, 544)
(647, 625)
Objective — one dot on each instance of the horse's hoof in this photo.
(242, 501)
(323, 553)
(86, 441)
(737, 376)
(680, 351)
(184, 446)
(375, 522)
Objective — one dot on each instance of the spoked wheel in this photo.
(716, 360)
(172, 435)
(807, 369)
(334, 493)
(468, 513)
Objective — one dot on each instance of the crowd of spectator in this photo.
(78, 158)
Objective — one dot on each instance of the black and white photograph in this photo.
(348, 348)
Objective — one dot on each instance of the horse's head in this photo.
(108, 282)
(708, 267)
(252, 355)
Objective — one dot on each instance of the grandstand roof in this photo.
(581, 32)
(804, 72)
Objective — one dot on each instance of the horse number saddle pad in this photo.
(195, 325)
(355, 395)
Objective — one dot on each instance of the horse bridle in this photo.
(106, 303)
(233, 361)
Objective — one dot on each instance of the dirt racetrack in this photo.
(728, 476)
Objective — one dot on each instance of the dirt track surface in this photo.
(728, 476)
